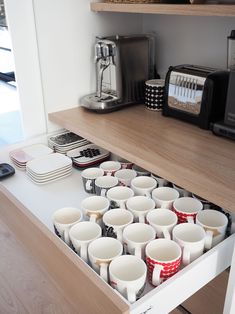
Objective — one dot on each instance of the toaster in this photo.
(195, 94)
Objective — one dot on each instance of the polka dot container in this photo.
(154, 94)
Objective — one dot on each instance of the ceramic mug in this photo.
(186, 208)
(140, 206)
(128, 275)
(119, 195)
(94, 207)
(193, 240)
(140, 171)
(135, 238)
(110, 167)
(82, 234)
(125, 164)
(206, 204)
(143, 185)
(163, 221)
(101, 252)
(89, 176)
(214, 221)
(161, 181)
(164, 197)
(163, 258)
(103, 184)
(115, 221)
(181, 191)
(125, 176)
(64, 219)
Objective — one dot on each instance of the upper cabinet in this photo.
(171, 9)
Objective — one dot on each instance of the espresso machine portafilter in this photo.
(123, 64)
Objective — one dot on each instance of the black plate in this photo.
(6, 170)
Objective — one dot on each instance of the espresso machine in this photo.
(123, 64)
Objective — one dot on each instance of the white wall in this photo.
(189, 39)
(66, 30)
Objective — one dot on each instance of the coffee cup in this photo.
(101, 252)
(206, 204)
(110, 167)
(161, 181)
(83, 233)
(164, 197)
(125, 176)
(94, 207)
(119, 195)
(125, 164)
(214, 221)
(115, 221)
(135, 238)
(143, 185)
(128, 275)
(140, 206)
(193, 240)
(103, 184)
(89, 176)
(181, 191)
(141, 171)
(163, 258)
(186, 208)
(163, 221)
(63, 219)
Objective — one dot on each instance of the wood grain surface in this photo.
(181, 9)
(177, 151)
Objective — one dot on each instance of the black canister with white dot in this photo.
(154, 94)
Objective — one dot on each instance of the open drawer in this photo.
(27, 210)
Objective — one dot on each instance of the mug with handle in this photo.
(140, 206)
(186, 208)
(143, 185)
(119, 195)
(89, 176)
(164, 196)
(94, 207)
(103, 184)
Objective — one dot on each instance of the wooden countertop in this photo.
(177, 151)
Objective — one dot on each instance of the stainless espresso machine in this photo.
(123, 64)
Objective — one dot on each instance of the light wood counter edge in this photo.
(87, 292)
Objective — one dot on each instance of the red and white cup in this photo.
(110, 167)
(186, 208)
(125, 164)
(163, 258)
(125, 176)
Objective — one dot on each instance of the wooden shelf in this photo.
(180, 152)
(172, 9)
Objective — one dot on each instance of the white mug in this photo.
(115, 220)
(119, 195)
(128, 275)
(164, 197)
(94, 207)
(214, 221)
(163, 258)
(101, 252)
(140, 206)
(135, 238)
(163, 221)
(181, 191)
(110, 167)
(83, 233)
(193, 240)
(103, 184)
(140, 171)
(186, 208)
(161, 181)
(143, 185)
(125, 176)
(64, 219)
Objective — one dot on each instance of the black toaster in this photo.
(195, 94)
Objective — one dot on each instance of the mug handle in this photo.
(156, 279)
(103, 192)
(166, 234)
(142, 218)
(88, 185)
(190, 220)
(131, 295)
(148, 194)
(93, 217)
(66, 236)
(208, 240)
(83, 252)
(186, 255)
(104, 271)
(122, 204)
(138, 251)
(119, 235)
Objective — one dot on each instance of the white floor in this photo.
(10, 117)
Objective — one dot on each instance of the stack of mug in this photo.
(135, 226)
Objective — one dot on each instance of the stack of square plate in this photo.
(49, 168)
(63, 142)
(88, 155)
(22, 155)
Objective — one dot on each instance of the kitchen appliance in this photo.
(226, 127)
(123, 64)
(196, 94)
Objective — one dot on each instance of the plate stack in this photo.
(21, 156)
(88, 155)
(49, 168)
(63, 142)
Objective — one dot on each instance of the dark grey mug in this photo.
(89, 176)
(104, 183)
